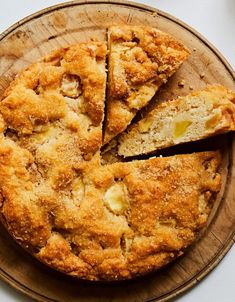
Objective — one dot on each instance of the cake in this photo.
(60, 201)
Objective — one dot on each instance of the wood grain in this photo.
(69, 23)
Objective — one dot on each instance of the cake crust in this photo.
(57, 93)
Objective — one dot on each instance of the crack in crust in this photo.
(87, 220)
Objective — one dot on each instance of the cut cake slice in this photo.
(198, 115)
(140, 60)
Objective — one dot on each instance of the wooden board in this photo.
(69, 23)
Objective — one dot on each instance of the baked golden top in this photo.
(59, 99)
(140, 59)
(199, 115)
(107, 222)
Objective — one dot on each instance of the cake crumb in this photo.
(181, 83)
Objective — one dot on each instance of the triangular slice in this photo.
(193, 117)
(137, 216)
(140, 60)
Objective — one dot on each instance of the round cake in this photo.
(82, 216)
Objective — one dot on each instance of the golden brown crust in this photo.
(50, 124)
(61, 88)
(201, 114)
(140, 60)
(26, 221)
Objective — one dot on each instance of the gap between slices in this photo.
(141, 58)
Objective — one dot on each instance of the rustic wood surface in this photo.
(69, 23)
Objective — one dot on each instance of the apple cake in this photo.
(59, 202)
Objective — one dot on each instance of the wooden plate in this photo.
(69, 23)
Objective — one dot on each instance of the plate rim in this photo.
(10, 280)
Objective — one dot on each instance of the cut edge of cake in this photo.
(199, 115)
